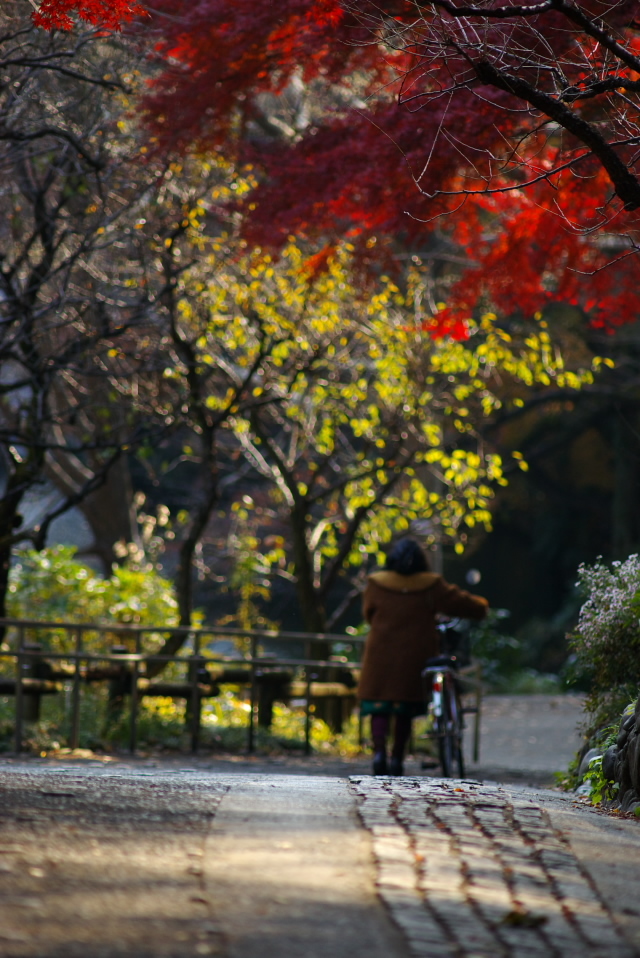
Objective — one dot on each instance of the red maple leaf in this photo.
(110, 14)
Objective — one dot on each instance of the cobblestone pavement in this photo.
(469, 870)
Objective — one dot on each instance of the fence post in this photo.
(252, 695)
(307, 714)
(133, 718)
(18, 730)
(31, 699)
(476, 729)
(118, 687)
(196, 701)
(75, 699)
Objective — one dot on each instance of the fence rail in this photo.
(251, 670)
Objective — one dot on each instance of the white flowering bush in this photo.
(607, 638)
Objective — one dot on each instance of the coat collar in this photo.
(404, 583)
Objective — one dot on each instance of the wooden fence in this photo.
(119, 654)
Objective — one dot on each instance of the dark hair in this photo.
(407, 557)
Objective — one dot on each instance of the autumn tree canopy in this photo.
(506, 130)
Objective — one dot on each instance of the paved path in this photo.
(526, 738)
(99, 861)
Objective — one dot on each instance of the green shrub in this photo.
(499, 654)
(527, 682)
(54, 585)
(599, 787)
(606, 641)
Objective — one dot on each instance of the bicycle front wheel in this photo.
(460, 757)
(449, 730)
(446, 746)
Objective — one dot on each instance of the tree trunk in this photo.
(109, 510)
(313, 615)
(311, 608)
(5, 564)
(10, 520)
(184, 573)
(626, 491)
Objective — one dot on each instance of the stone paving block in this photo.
(396, 875)
(558, 931)
(534, 833)
(447, 867)
(425, 948)
(526, 950)
(440, 855)
(417, 818)
(443, 865)
(414, 915)
(559, 861)
(372, 819)
(482, 868)
(496, 832)
(472, 935)
(512, 843)
(446, 870)
(513, 863)
(532, 894)
(450, 888)
(432, 837)
(421, 926)
(604, 951)
(530, 882)
(386, 830)
(576, 889)
(598, 930)
(392, 846)
(493, 903)
(551, 845)
(531, 866)
(474, 842)
(531, 891)
(401, 897)
(524, 942)
(570, 947)
(583, 909)
(452, 824)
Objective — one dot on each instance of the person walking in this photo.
(400, 603)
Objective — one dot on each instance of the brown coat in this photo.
(401, 610)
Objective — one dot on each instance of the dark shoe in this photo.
(395, 766)
(379, 764)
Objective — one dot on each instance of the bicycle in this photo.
(443, 704)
